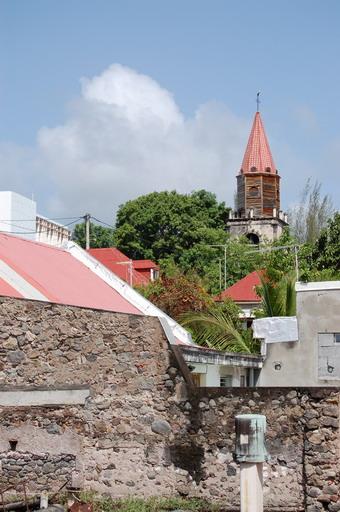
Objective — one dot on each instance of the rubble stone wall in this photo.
(142, 431)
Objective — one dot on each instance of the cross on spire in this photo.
(258, 101)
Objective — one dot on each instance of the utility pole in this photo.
(225, 267)
(296, 249)
(87, 219)
(220, 268)
(225, 261)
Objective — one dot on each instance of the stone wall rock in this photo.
(141, 432)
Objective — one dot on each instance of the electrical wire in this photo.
(102, 222)
(41, 217)
(38, 232)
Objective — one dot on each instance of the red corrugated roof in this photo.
(118, 263)
(258, 156)
(242, 291)
(59, 276)
(145, 264)
(7, 290)
(108, 254)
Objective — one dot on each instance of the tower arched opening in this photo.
(253, 238)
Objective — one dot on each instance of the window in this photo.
(226, 381)
(329, 355)
(254, 192)
(268, 169)
(243, 381)
(13, 445)
(253, 169)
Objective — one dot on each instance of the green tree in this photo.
(326, 251)
(277, 292)
(180, 228)
(310, 216)
(216, 329)
(99, 236)
(177, 293)
(163, 224)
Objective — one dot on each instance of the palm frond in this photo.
(215, 330)
(278, 296)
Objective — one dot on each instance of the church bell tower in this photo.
(257, 212)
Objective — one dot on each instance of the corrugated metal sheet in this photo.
(57, 275)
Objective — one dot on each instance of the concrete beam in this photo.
(43, 397)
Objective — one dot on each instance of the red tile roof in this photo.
(243, 290)
(56, 275)
(258, 155)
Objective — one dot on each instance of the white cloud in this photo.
(126, 136)
(306, 119)
(136, 97)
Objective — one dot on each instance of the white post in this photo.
(251, 486)
(44, 499)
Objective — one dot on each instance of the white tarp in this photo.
(276, 329)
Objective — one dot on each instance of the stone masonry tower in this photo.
(257, 214)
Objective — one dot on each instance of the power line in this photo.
(102, 222)
(40, 217)
(37, 232)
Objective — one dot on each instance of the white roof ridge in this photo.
(126, 291)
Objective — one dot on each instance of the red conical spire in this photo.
(258, 157)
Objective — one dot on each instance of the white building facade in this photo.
(18, 215)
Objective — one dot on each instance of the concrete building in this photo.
(211, 368)
(51, 232)
(257, 214)
(18, 215)
(303, 350)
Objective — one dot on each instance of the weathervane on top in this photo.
(258, 101)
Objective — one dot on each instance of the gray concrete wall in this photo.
(265, 229)
(303, 363)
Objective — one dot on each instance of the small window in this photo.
(254, 192)
(268, 169)
(243, 381)
(337, 337)
(253, 169)
(226, 381)
(13, 445)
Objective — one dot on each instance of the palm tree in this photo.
(278, 295)
(215, 329)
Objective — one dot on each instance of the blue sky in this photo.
(213, 53)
